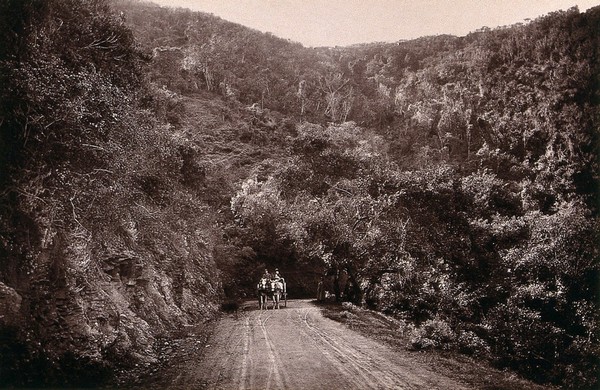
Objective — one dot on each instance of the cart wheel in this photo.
(285, 300)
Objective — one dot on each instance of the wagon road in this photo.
(298, 348)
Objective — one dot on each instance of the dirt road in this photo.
(297, 348)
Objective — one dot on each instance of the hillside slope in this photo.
(462, 197)
(103, 247)
(154, 166)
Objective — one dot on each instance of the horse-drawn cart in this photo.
(274, 289)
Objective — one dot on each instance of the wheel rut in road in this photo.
(298, 348)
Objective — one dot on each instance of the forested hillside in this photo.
(104, 249)
(152, 167)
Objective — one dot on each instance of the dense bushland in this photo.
(103, 246)
(449, 181)
(462, 197)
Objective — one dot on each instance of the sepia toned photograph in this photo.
(300, 194)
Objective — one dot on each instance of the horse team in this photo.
(272, 287)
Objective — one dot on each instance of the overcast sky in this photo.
(344, 22)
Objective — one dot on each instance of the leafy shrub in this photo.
(435, 333)
(471, 344)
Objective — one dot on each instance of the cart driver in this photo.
(277, 278)
(266, 275)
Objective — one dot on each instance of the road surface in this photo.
(297, 348)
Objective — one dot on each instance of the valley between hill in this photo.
(154, 161)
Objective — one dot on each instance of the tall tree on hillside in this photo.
(338, 96)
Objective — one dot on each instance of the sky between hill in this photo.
(346, 22)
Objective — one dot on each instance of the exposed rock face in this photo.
(90, 307)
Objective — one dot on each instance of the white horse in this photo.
(276, 290)
(263, 293)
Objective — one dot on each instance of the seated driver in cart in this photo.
(277, 278)
(266, 275)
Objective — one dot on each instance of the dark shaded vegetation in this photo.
(102, 246)
(153, 167)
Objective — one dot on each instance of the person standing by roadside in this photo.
(320, 291)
